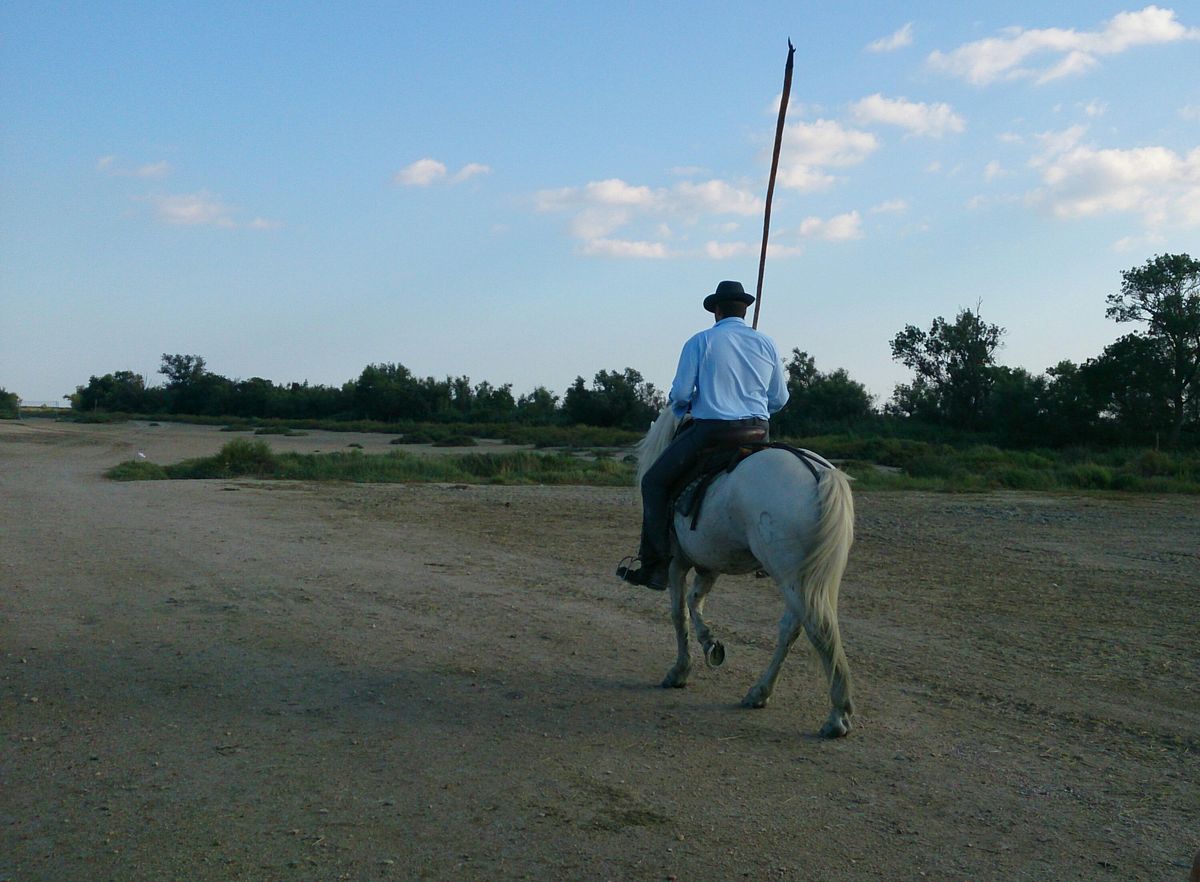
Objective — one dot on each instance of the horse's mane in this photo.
(662, 430)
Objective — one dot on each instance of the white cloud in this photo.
(470, 170)
(108, 165)
(262, 223)
(933, 120)
(1190, 112)
(893, 206)
(890, 43)
(714, 197)
(202, 209)
(624, 248)
(1047, 54)
(836, 229)
(809, 148)
(192, 210)
(614, 191)
(1155, 183)
(425, 172)
(728, 250)
(421, 173)
(153, 170)
(600, 210)
(993, 170)
(598, 221)
(1148, 242)
(1056, 143)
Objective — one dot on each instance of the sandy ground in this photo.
(225, 680)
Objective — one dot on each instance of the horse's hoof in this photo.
(756, 698)
(675, 680)
(835, 727)
(714, 654)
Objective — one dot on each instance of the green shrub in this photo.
(1086, 476)
(1154, 463)
(1016, 477)
(10, 405)
(932, 465)
(137, 470)
(240, 457)
(456, 441)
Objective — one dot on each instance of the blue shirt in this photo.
(729, 372)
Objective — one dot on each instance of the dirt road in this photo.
(227, 680)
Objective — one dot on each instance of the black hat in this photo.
(725, 292)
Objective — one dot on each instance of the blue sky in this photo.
(527, 192)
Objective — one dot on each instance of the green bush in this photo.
(240, 457)
(1015, 477)
(456, 441)
(1086, 476)
(137, 470)
(10, 405)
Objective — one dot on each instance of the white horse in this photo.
(772, 514)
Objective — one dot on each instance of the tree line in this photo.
(1140, 389)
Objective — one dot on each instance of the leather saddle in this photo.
(727, 450)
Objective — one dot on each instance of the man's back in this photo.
(728, 372)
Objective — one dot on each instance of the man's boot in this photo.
(650, 574)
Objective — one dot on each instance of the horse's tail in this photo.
(662, 430)
(821, 574)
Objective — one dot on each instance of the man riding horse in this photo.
(731, 380)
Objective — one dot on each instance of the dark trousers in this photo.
(679, 457)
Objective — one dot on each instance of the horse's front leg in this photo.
(714, 650)
(677, 583)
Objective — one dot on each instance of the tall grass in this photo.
(876, 463)
(916, 465)
(244, 457)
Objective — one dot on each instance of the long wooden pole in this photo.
(783, 105)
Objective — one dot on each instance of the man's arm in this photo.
(777, 392)
(683, 388)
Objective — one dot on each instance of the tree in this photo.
(181, 370)
(623, 400)
(1165, 294)
(389, 392)
(189, 385)
(494, 403)
(1015, 409)
(1130, 384)
(953, 365)
(123, 392)
(817, 400)
(1071, 410)
(538, 406)
(10, 405)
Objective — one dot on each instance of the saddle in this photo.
(722, 457)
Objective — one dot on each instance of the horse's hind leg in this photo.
(714, 650)
(828, 642)
(789, 630)
(677, 583)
